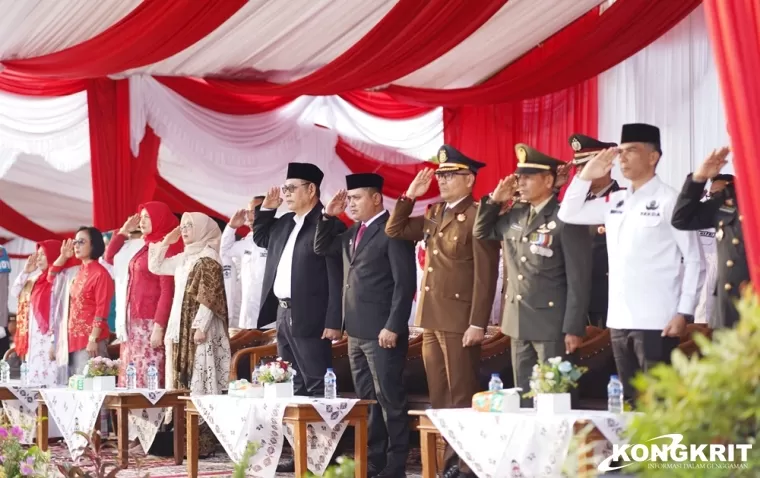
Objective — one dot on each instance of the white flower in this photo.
(533, 385)
(549, 375)
(565, 367)
(555, 360)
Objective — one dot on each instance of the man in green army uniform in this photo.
(548, 265)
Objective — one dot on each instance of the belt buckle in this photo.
(284, 304)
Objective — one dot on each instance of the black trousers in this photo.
(378, 375)
(310, 356)
(639, 350)
(598, 319)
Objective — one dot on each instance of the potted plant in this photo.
(277, 377)
(551, 382)
(710, 398)
(19, 460)
(101, 374)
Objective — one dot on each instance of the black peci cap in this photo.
(364, 180)
(306, 171)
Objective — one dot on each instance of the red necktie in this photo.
(359, 235)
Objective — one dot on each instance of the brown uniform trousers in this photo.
(457, 291)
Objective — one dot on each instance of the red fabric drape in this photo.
(410, 36)
(383, 105)
(222, 100)
(489, 133)
(20, 84)
(152, 32)
(22, 226)
(120, 182)
(735, 32)
(587, 47)
(397, 176)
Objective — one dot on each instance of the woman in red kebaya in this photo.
(148, 297)
(83, 332)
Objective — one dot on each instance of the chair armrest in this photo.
(254, 354)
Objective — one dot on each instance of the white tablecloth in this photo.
(519, 445)
(78, 410)
(22, 412)
(237, 421)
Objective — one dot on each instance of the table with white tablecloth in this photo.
(524, 444)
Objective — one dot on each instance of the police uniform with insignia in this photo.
(548, 271)
(722, 213)
(655, 270)
(585, 148)
(458, 285)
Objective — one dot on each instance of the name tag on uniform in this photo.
(616, 211)
(729, 210)
(247, 253)
(515, 226)
(263, 254)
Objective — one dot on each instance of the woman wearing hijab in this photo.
(143, 299)
(40, 305)
(196, 340)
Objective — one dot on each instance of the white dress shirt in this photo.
(252, 260)
(648, 285)
(282, 280)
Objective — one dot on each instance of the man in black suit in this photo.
(585, 148)
(379, 286)
(301, 289)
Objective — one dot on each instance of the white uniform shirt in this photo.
(647, 283)
(252, 260)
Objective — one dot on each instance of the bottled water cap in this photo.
(614, 377)
(495, 375)
(329, 370)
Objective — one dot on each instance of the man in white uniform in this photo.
(651, 299)
(251, 260)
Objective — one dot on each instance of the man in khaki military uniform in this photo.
(548, 264)
(459, 282)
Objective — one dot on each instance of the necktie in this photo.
(531, 215)
(359, 235)
(590, 196)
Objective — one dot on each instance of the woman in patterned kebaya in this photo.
(144, 299)
(40, 304)
(196, 340)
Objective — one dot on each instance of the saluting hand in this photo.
(505, 189)
(272, 199)
(420, 184)
(712, 165)
(67, 252)
(131, 224)
(599, 165)
(337, 204)
(172, 237)
(563, 174)
(238, 219)
(31, 263)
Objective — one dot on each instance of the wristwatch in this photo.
(689, 318)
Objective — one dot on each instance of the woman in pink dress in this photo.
(148, 297)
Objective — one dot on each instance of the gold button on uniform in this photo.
(435, 252)
(551, 304)
(523, 258)
(727, 286)
(455, 238)
(729, 263)
(440, 234)
(427, 288)
(518, 297)
(735, 241)
(519, 277)
(456, 295)
(430, 269)
(525, 239)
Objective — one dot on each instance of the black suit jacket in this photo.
(380, 277)
(722, 213)
(600, 265)
(315, 280)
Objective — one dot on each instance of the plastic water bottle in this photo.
(131, 376)
(331, 385)
(24, 373)
(615, 395)
(152, 377)
(495, 384)
(5, 372)
(255, 377)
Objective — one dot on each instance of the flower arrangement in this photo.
(278, 371)
(102, 367)
(18, 460)
(554, 376)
